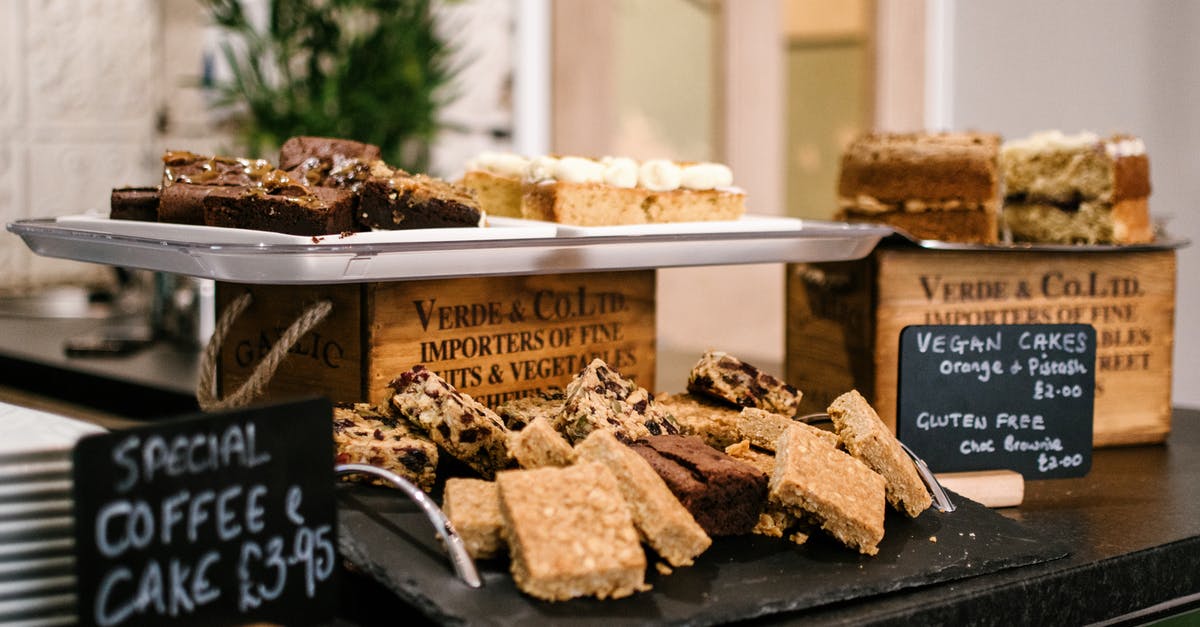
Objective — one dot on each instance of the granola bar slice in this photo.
(662, 520)
(775, 519)
(473, 506)
(598, 398)
(714, 422)
(867, 438)
(538, 444)
(570, 533)
(365, 434)
(723, 376)
(763, 428)
(838, 492)
(457, 423)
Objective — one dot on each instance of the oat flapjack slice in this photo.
(865, 437)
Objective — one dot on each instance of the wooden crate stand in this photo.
(495, 338)
(844, 321)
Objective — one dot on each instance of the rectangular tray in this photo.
(505, 252)
(739, 578)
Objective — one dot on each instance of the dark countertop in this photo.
(1132, 525)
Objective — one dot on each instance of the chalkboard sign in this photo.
(999, 396)
(219, 519)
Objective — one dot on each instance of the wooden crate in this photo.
(844, 321)
(495, 338)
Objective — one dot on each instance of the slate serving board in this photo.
(738, 578)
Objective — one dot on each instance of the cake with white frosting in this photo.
(608, 191)
(1079, 188)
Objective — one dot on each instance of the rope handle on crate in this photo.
(253, 387)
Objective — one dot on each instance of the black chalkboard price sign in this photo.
(219, 519)
(991, 397)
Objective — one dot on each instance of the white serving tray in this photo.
(508, 248)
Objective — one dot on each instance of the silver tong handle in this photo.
(941, 500)
(464, 566)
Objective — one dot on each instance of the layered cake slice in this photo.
(457, 423)
(866, 437)
(570, 533)
(365, 434)
(663, 521)
(1077, 189)
(724, 377)
(937, 186)
(599, 398)
(603, 192)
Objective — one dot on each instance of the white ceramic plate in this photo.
(748, 224)
(498, 228)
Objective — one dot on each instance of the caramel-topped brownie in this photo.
(763, 428)
(538, 444)
(598, 398)
(713, 421)
(327, 162)
(473, 507)
(815, 480)
(722, 376)
(940, 186)
(365, 434)
(866, 437)
(570, 533)
(294, 210)
(724, 495)
(521, 411)
(416, 201)
(1077, 188)
(664, 522)
(188, 178)
(457, 423)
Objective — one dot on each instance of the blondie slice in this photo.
(867, 438)
(714, 422)
(662, 520)
(570, 533)
(473, 506)
(763, 428)
(457, 423)
(538, 444)
(815, 480)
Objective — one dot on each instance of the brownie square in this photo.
(416, 202)
(322, 211)
(134, 203)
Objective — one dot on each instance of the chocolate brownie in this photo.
(296, 150)
(184, 204)
(319, 211)
(180, 166)
(724, 495)
(416, 202)
(134, 203)
(326, 162)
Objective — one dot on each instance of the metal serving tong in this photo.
(464, 566)
(941, 500)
